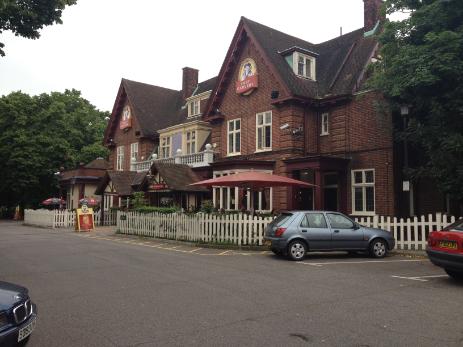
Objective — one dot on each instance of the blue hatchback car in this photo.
(17, 315)
(294, 233)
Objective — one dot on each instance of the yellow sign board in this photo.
(84, 219)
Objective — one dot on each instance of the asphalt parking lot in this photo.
(100, 289)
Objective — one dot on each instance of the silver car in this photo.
(294, 233)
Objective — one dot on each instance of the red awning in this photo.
(252, 180)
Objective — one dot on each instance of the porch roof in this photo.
(317, 162)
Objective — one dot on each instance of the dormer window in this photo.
(194, 108)
(301, 60)
(304, 65)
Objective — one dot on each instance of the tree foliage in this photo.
(422, 66)
(39, 135)
(26, 17)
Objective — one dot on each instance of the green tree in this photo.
(39, 135)
(422, 66)
(26, 17)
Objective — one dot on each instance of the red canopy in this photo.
(89, 201)
(252, 180)
(53, 201)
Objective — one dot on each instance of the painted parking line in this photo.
(419, 278)
(360, 262)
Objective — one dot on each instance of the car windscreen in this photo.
(457, 226)
(281, 219)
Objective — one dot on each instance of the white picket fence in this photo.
(237, 229)
(242, 229)
(63, 218)
(409, 233)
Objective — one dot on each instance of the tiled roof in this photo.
(339, 63)
(178, 177)
(122, 181)
(154, 107)
(205, 85)
(98, 163)
(158, 108)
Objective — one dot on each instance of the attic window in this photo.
(193, 108)
(304, 65)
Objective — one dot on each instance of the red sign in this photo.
(247, 84)
(126, 120)
(158, 186)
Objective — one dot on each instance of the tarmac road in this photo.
(99, 289)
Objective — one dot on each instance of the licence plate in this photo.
(448, 244)
(26, 331)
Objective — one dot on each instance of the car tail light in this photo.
(279, 231)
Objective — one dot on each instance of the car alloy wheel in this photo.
(297, 250)
(378, 248)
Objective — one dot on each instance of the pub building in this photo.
(280, 105)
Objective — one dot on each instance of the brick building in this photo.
(151, 129)
(280, 105)
(304, 114)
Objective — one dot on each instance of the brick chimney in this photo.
(371, 13)
(189, 82)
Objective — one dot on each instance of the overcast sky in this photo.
(101, 41)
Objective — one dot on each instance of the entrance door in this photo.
(330, 192)
(304, 197)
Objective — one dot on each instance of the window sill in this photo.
(324, 134)
(233, 154)
(363, 214)
(263, 150)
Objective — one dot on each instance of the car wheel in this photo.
(378, 248)
(455, 274)
(297, 250)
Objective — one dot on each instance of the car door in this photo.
(315, 230)
(344, 232)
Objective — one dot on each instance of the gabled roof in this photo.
(122, 181)
(178, 177)
(340, 62)
(154, 107)
(98, 163)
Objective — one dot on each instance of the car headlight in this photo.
(3, 319)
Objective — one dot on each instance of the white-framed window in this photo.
(264, 131)
(363, 191)
(234, 198)
(120, 158)
(191, 142)
(234, 136)
(165, 146)
(194, 107)
(133, 151)
(304, 65)
(325, 125)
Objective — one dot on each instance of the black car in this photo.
(17, 315)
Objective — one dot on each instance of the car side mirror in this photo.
(356, 226)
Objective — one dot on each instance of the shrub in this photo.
(138, 200)
(151, 209)
(207, 206)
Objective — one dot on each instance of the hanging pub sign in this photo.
(84, 219)
(247, 77)
(126, 119)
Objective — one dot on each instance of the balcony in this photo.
(194, 160)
